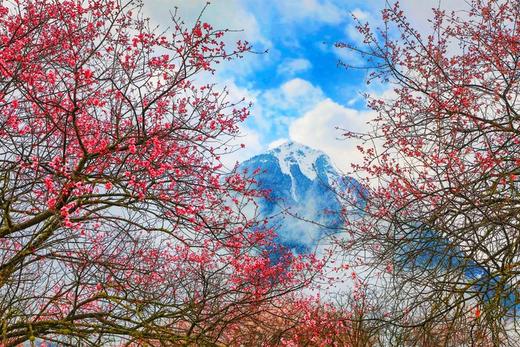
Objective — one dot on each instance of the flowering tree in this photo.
(303, 321)
(118, 222)
(441, 170)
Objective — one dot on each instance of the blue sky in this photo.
(299, 92)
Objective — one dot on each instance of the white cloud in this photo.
(296, 94)
(298, 87)
(291, 67)
(224, 14)
(236, 92)
(363, 17)
(348, 56)
(316, 128)
(274, 108)
(418, 13)
(250, 139)
(277, 143)
(323, 11)
(311, 119)
(229, 14)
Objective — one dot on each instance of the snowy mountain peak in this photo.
(293, 145)
(294, 153)
(302, 183)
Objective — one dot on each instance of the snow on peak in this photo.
(291, 153)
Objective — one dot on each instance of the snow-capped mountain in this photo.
(303, 205)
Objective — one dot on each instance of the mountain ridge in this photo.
(303, 205)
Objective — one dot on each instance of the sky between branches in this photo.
(298, 91)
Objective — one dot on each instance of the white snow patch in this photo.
(293, 153)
